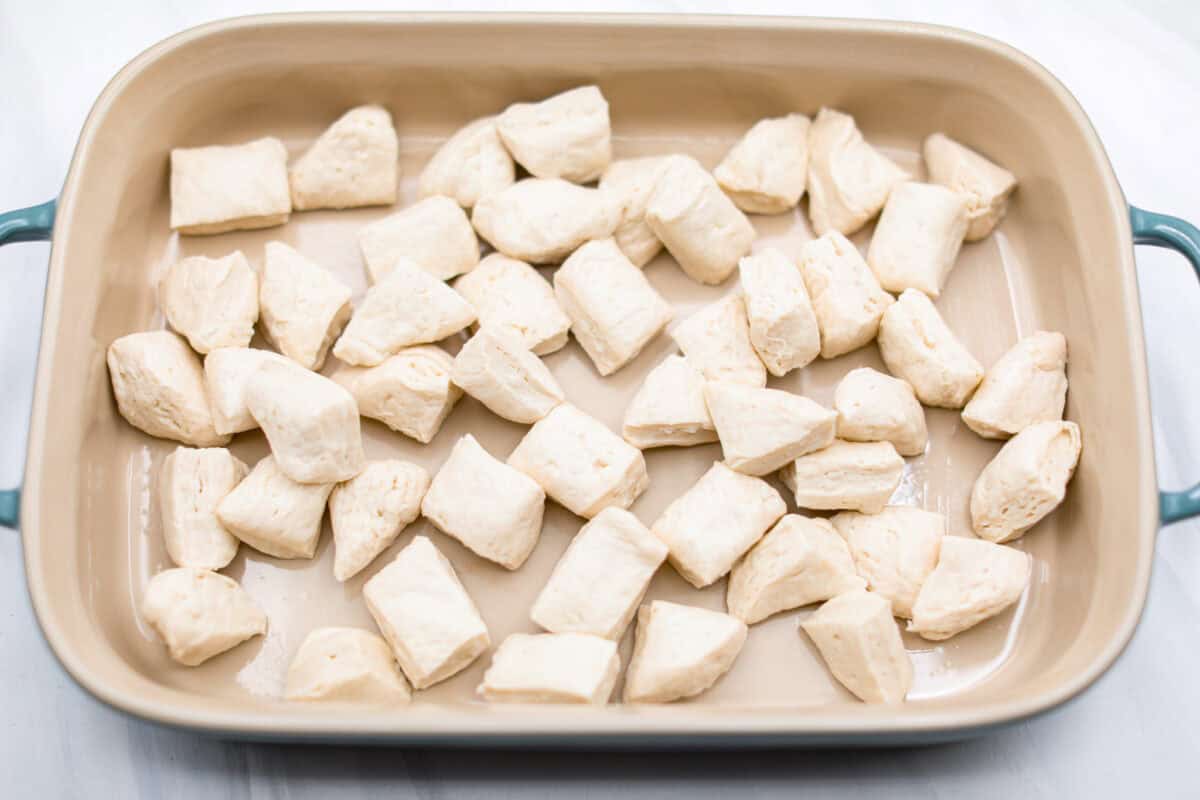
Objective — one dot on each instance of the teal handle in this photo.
(1161, 230)
(33, 224)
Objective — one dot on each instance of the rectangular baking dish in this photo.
(1062, 260)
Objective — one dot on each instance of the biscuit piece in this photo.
(191, 484)
(511, 296)
(273, 514)
(433, 233)
(351, 164)
(765, 172)
(1026, 386)
(716, 340)
(411, 392)
(200, 614)
(680, 651)
(918, 346)
(974, 580)
(846, 296)
(918, 237)
(985, 186)
(227, 371)
(873, 407)
(859, 476)
(470, 164)
(346, 665)
(763, 429)
(629, 182)
(304, 306)
(669, 409)
(848, 179)
(369, 511)
(566, 136)
(211, 301)
(861, 645)
(551, 668)
(783, 325)
(512, 382)
(240, 187)
(894, 550)
(543, 221)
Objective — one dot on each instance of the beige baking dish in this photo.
(1062, 260)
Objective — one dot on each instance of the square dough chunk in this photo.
(669, 409)
(227, 372)
(580, 463)
(511, 296)
(433, 233)
(425, 614)
(411, 392)
(371, 510)
(240, 187)
(492, 508)
(273, 514)
(566, 136)
(765, 172)
(716, 341)
(596, 586)
(712, 524)
(614, 310)
(304, 306)
(191, 484)
(985, 186)
(763, 429)
(783, 325)
(628, 183)
(497, 370)
(211, 301)
(551, 668)
(858, 476)
(542, 221)
(918, 237)
(874, 407)
(1026, 386)
(848, 179)
(861, 645)
(917, 345)
(200, 614)
(680, 651)
(894, 550)
(353, 163)
(846, 295)
(470, 164)
(346, 665)
(974, 580)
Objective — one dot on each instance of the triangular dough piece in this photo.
(669, 410)
(353, 163)
(303, 306)
(973, 581)
(680, 651)
(763, 429)
(371, 509)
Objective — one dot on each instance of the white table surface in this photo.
(1136, 69)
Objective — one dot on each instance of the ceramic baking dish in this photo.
(1063, 259)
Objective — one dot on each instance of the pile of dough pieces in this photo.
(200, 383)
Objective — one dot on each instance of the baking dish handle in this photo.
(1162, 230)
(32, 224)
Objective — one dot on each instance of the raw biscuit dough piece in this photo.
(191, 484)
(566, 136)
(596, 586)
(227, 371)
(551, 668)
(874, 407)
(917, 345)
(918, 237)
(273, 514)
(408, 307)
(511, 296)
(846, 295)
(346, 665)
(310, 421)
(614, 310)
(711, 525)
(159, 385)
(765, 172)
(985, 186)
(200, 614)
(497, 370)
(580, 463)
(470, 164)
(800, 561)
(629, 182)
(858, 476)
(411, 392)
(211, 301)
(1026, 386)
(433, 233)
(669, 409)
(1025, 481)
(680, 651)
(239, 187)
(493, 509)
(369, 511)
(353, 163)
(783, 324)
(304, 306)
(861, 645)
(425, 614)
(848, 179)
(894, 550)
(700, 226)
(763, 429)
(716, 340)
(543, 220)
(974, 580)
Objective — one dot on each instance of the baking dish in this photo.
(1063, 259)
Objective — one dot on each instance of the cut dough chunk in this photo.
(783, 324)
(894, 550)
(227, 372)
(1026, 386)
(861, 645)
(273, 514)
(543, 221)
(669, 409)
(369, 511)
(492, 508)
(974, 580)
(614, 310)
(800, 561)
(680, 651)
(580, 463)
(628, 183)
(434, 234)
(240, 187)
(716, 340)
(700, 226)
(510, 296)
(351, 164)
(496, 369)
(846, 296)
(200, 614)
(191, 484)
(552, 668)
(918, 237)
(918, 346)
(873, 407)
(470, 164)
(598, 583)
(425, 614)
(346, 665)
(763, 429)
(211, 301)
(712, 524)
(411, 392)
(765, 172)
(985, 186)
(408, 307)
(1025, 481)
(304, 306)
(848, 179)
(859, 476)
(566, 136)
(159, 386)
